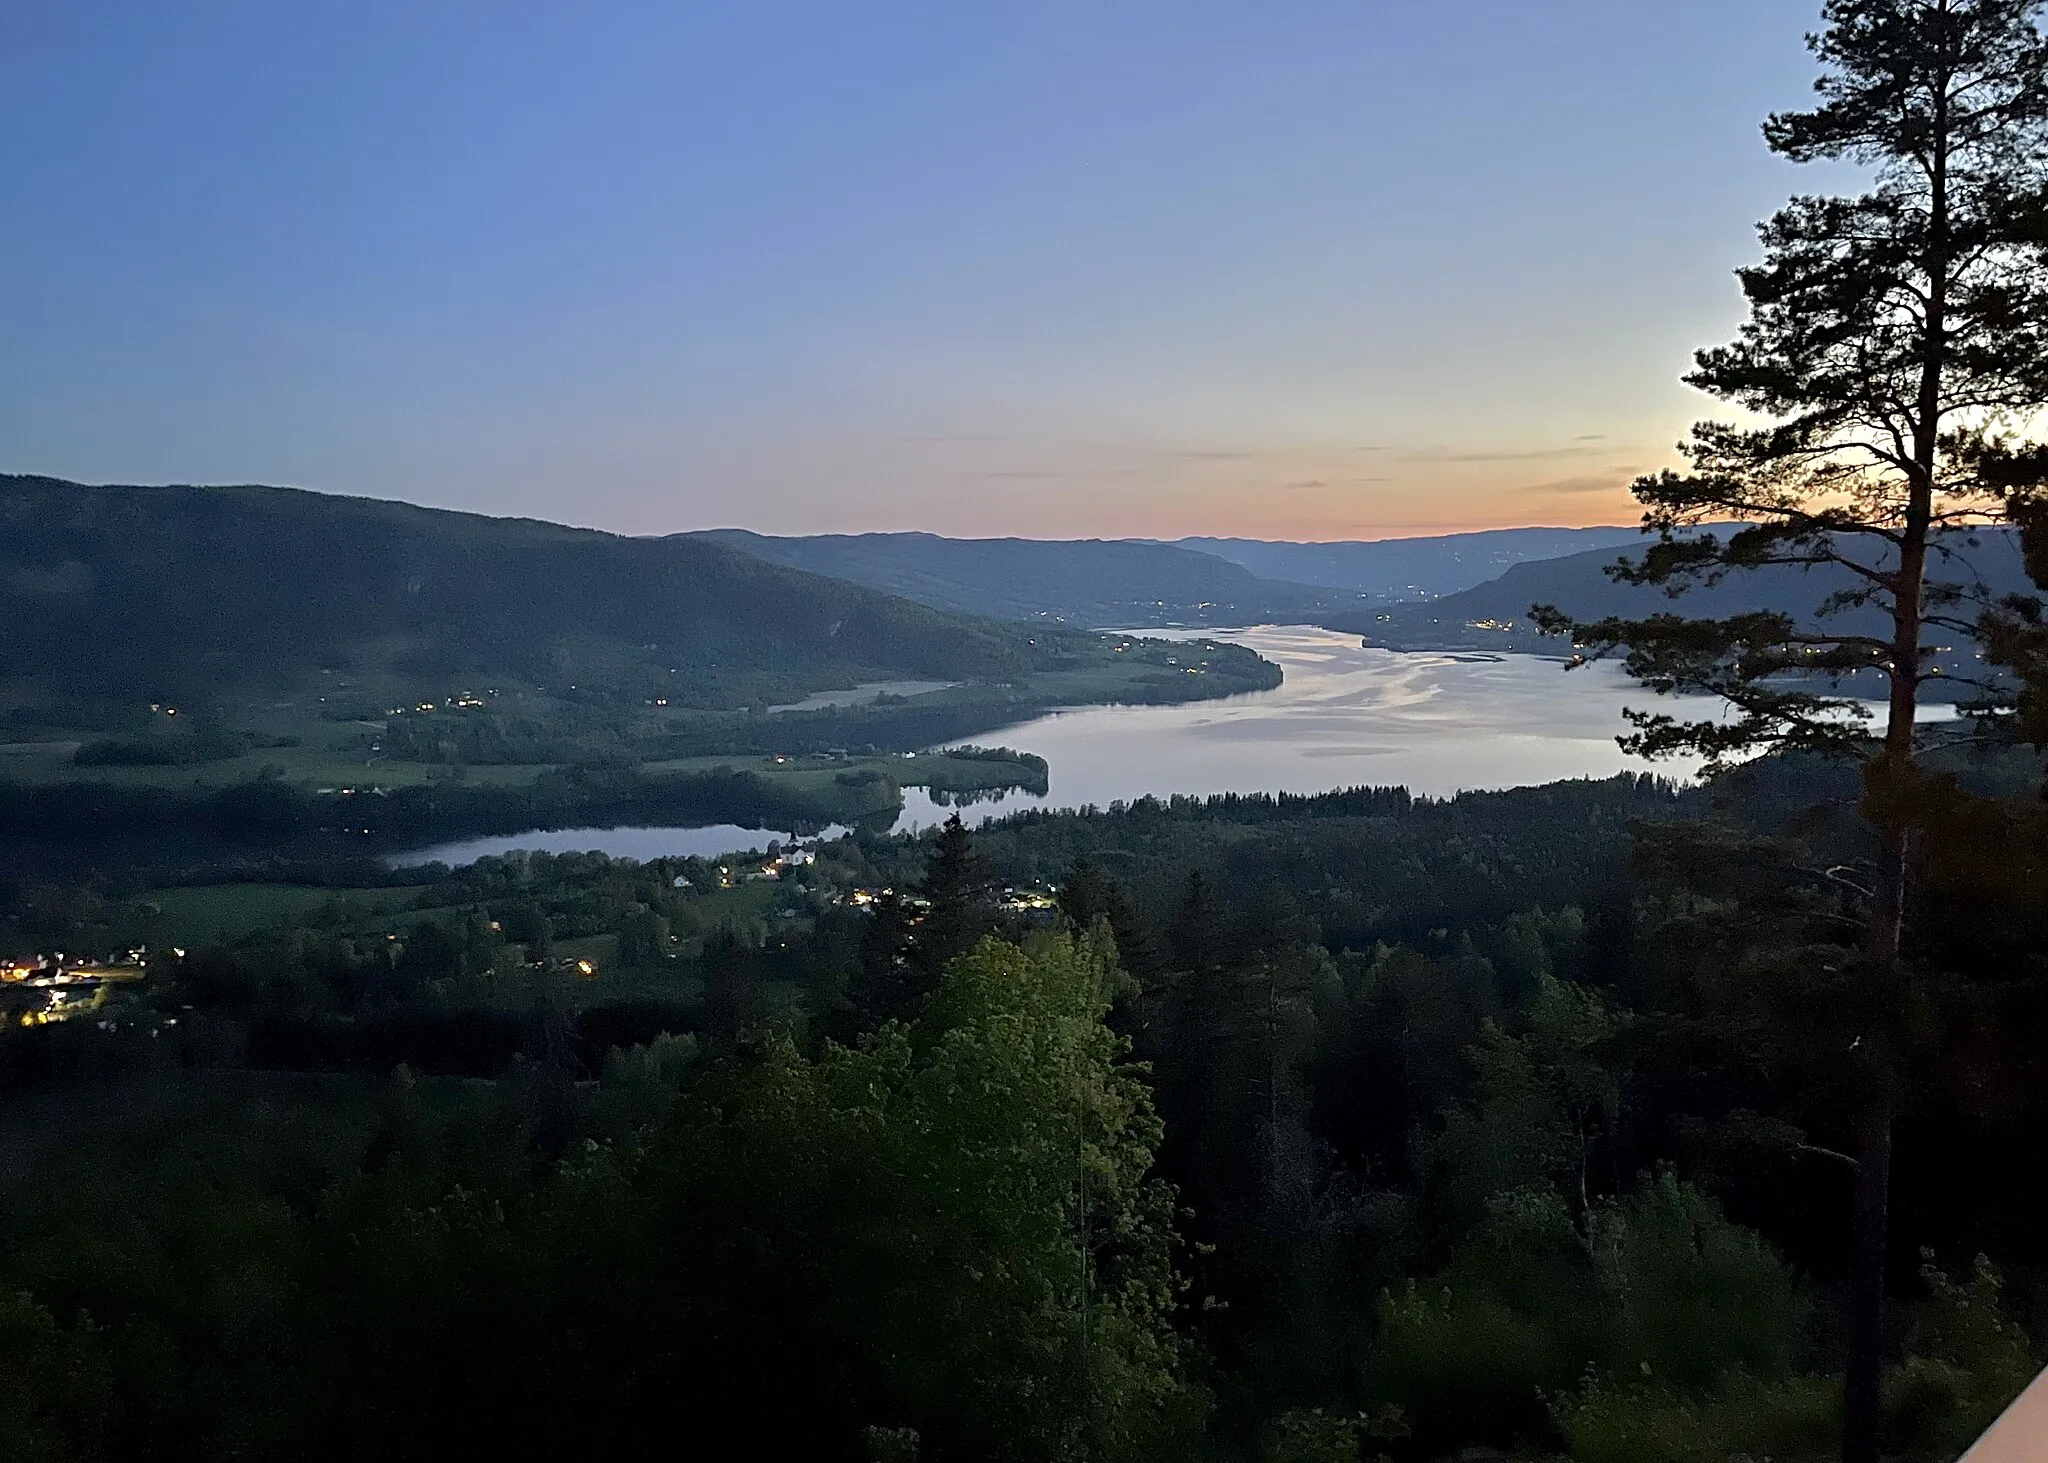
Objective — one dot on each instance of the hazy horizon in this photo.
(1306, 271)
(568, 521)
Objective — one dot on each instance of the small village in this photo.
(42, 989)
(784, 862)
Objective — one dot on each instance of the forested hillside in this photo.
(1509, 1121)
(1409, 568)
(1495, 615)
(162, 592)
(241, 663)
(1108, 582)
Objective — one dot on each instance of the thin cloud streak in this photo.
(1537, 454)
(1587, 483)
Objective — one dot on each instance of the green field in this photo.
(195, 916)
(324, 752)
(337, 767)
(295, 777)
(329, 757)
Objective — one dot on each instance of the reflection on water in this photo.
(1345, 716)
(633, 843)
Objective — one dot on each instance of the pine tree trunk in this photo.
(1870, 1218)
(1870, 1225)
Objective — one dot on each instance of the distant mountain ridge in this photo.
(1110, 582)
(1494, 615)
(178, 590)
(1134, 582)
(1408, 568)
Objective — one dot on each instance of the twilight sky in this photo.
(1065, 268)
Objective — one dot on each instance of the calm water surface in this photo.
(1345, 716)
(634, 843)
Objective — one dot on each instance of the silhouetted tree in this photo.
(1089, 895)
(959, 889)
(431, 952)
(525, 923)
(643, 939)
(1194, 934)
(727, 968)
(884, 987)
(1894, 338)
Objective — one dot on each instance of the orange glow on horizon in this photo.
(976, 485)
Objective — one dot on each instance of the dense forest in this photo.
(1318, 1128)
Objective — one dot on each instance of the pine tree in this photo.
(1896, 346)
(1089, 894)
(1194, 935)
(884, 988)
(959, 891)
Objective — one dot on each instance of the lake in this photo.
(1436, 723)
(1344, 716)
(708, 841)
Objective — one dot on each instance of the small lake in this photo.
(634, 843)
(1344, 716)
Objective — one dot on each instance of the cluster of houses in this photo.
(1009, 901)
(776, 866)
(460, 701)
(783, 862)
(42, 989)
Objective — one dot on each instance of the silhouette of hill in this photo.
(1494, 615)
(183, 590)
(1119, 582)
(1408, 568)
(1129, 582)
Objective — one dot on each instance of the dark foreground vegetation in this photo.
(1302, 1128)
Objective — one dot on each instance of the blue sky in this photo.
(1062, 269)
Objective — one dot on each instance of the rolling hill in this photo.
(1494, 615)
(179, 591)
(1408, 568)
(1130, 582)
(1107, 582)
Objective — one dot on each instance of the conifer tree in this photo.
(1896, 347)
(959, 890)
(884, 987)
(1089, 894)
